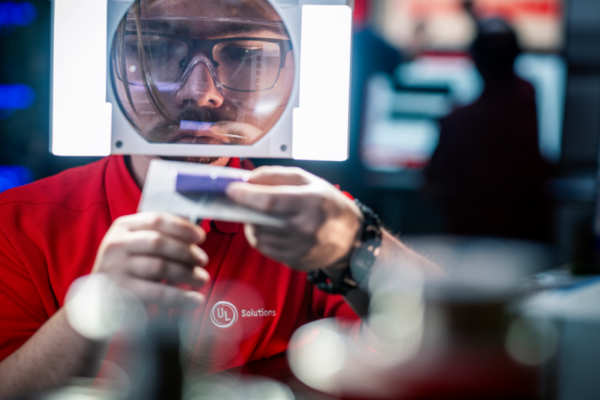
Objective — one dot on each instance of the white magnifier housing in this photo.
(87, 119)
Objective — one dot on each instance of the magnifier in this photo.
(209, 78)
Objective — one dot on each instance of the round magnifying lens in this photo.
(202, 71)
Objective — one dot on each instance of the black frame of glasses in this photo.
(285, 46)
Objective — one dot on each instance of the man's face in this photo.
(203, 71)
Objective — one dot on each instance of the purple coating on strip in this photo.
(189, 183)
(195, 125)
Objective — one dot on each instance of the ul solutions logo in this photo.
(223, 314)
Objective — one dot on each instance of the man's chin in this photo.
(197, 160)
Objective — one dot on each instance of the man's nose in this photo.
(199, 88)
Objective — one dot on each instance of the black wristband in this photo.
(342, 285)
(362, 259)
(365, 255)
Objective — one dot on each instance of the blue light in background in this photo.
(14, 175)
(17, 14)
(16, 97)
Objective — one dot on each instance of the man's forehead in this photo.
(244, 9)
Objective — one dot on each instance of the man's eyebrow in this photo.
(232, 29)
(220, 30)
(236, 29)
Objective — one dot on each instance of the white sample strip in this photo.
(160, 195)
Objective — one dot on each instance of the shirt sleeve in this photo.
(325, 305)
(22, 312)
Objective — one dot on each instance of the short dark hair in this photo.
(495, 48)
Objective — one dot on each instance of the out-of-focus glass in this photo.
(457, 336)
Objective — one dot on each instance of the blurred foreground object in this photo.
(456, 338)
(148, 352)
(573, 309)
(480, 334)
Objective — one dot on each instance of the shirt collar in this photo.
(122, 192)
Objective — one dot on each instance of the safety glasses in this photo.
(243, 64)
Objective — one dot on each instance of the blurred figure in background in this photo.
(487, 170)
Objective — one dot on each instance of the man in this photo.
(83, 221)
(487, 169)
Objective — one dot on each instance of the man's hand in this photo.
(322, 222)
(142, 250)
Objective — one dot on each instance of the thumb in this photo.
(275, 176)
(270, 199)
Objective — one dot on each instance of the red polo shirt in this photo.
(50, 231)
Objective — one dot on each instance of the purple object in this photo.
(195, 125)
(191, 184)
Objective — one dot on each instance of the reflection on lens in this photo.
(94, 307)
(81, 389)
(213, 391)
(397, 323)
(396, 314)
(317, 351)
(483, 268)
(231, 387)
(267, 389)
(490, 266)
(115, 378)
(532, 341)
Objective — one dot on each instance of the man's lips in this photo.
(194, 132)
(200, 138)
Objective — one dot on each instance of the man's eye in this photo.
(238, 53)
